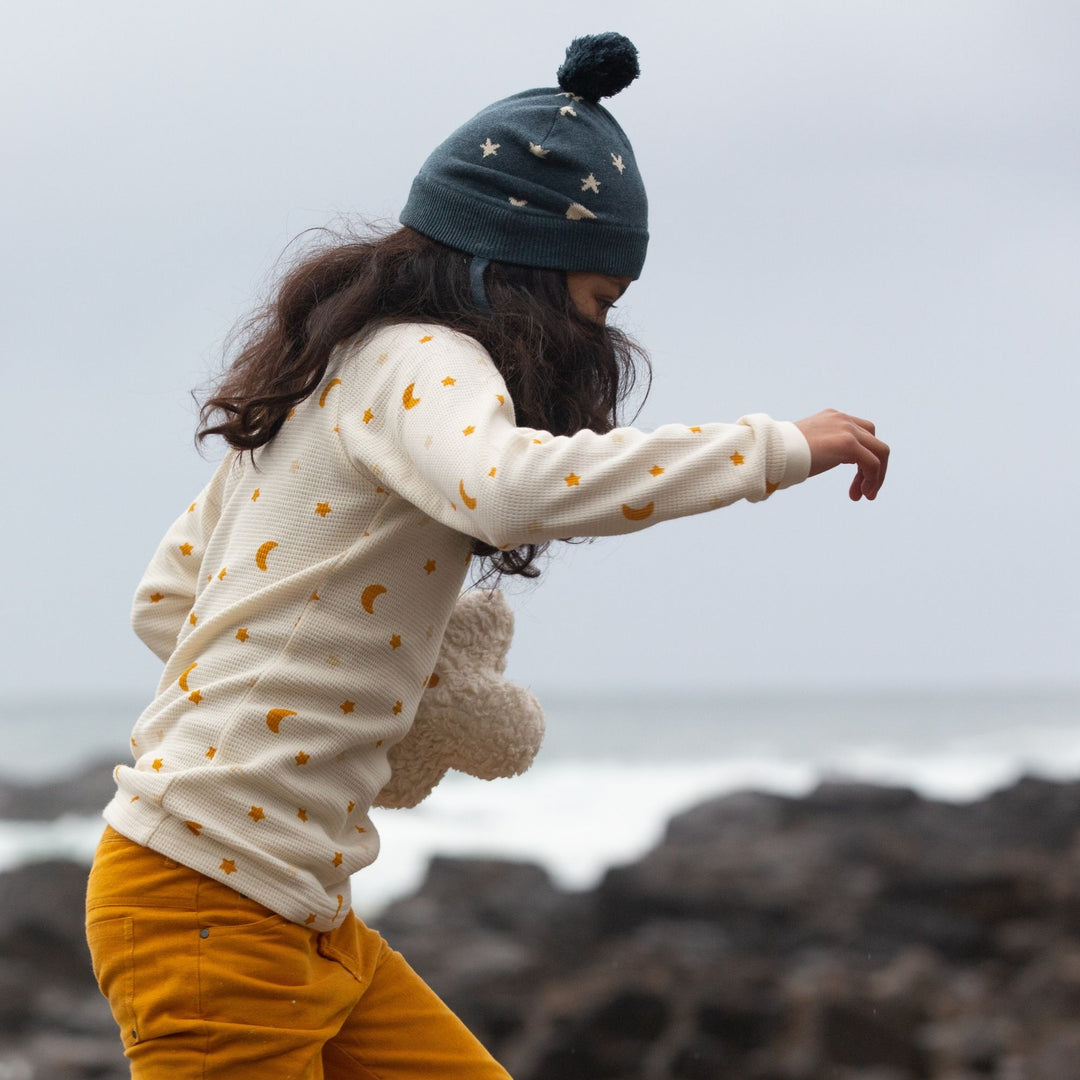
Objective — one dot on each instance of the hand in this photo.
(838, 439)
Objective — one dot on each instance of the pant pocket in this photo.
(112, 953)
(356, 947)
(220, 906)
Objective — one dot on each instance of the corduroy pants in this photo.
(208, 985)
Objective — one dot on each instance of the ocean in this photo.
(613, 770)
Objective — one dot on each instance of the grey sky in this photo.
(871, 206)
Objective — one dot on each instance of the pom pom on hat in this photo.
(599, 65)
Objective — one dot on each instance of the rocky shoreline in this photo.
(860, 933)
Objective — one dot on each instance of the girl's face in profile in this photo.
(594, 295)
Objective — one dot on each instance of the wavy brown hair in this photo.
(564, 372)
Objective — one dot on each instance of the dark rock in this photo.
(54, 1022)
(860, 933)
(849, 797)
(42, 920)
(1032, 814)
(741, 1024)
(632, 1015)
(702, 1058)
(67, 1057)
(865, 1033)
(499, 897)
(493, 919)
(16, 1006)
(84, 793)
(1058, 1057)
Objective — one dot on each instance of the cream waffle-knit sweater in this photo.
(299, 602)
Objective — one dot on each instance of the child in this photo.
(405, 403)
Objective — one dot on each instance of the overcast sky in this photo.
(873, 206)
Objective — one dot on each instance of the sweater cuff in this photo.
(797, 450)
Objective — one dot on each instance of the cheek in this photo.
(585, 304)
(590, 306)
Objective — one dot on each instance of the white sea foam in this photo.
(67, 837)
(608, 781)
(574, 818)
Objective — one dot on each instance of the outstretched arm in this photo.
(426, 409)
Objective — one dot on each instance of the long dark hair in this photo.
(564, 372)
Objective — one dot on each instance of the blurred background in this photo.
(871, 206)
(874, 207)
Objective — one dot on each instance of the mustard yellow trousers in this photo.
(207, 984)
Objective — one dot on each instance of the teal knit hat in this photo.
(543, 178)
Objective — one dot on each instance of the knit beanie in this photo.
(543, 178)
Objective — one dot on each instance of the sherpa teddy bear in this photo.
(470, 717)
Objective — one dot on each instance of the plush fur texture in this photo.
(470, 717)
(599, 65)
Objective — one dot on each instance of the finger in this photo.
(884, 456)
(865, 431)
(881, 451)
(855, 492)
(880, 448)
(870, 467)
(873, 475)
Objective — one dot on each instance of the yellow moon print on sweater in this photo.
(409, 491)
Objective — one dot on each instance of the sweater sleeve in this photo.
(425, 410)
(166, 594)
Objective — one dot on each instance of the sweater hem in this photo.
(160, 832)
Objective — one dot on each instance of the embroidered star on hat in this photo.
(546, 177)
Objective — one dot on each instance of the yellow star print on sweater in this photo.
(299, 602)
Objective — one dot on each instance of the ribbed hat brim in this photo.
(482, 226)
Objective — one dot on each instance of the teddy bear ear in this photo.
(487, 611)
(493, 609)
(497, 619)
(479, 632)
